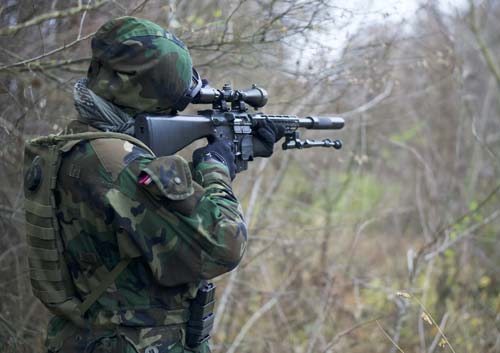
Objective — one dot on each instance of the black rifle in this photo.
(229, 119)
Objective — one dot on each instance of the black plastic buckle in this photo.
(205, 294)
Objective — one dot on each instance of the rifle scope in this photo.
(255, 96)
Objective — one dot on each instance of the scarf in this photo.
(100, 113)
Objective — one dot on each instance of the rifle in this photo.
(229, 119)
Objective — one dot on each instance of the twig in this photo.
(389, 337)
(9, 128)
(348, 331)
(226, 23)
(255, 190)
(430, 177)
(12, 249)
(224, 299)
(8, 326)
(464, 234)
(437, 235)
(49, 53)
(487, 54)
(82, 21)
(232, 277)
(425, 291)
(402, 308)
(263, 309)
(54, 64)
(23, 327)
(323, 311)
(51, 15)
(270, 193)
(138, 8)
(442, 325)
(434, 322)
(372, 103)
(250, 322)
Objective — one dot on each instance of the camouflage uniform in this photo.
(178, 230)
(178, 224)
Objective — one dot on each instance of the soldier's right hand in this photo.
(217, 150)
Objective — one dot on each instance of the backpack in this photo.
(50, 278)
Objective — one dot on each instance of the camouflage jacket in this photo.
(114, 201)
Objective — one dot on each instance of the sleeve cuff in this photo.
(210, 172)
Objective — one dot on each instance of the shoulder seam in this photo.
(109, 165)
(100, 160)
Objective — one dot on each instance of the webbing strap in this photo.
(91, 136)
(51, 296)
(44, 233)
(37, 208)
(46, 275)
(44, 254)
(101, 288)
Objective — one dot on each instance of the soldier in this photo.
(139, 235)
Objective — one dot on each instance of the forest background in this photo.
(389, 245)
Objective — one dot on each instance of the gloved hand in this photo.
(266, 134)
(219, 150)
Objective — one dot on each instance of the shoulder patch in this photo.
(115, 154)
(172, 177)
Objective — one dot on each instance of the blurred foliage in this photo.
(409, 204)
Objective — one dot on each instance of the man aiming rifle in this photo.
(123, 234)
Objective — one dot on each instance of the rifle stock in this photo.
(166, 135)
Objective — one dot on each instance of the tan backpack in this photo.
(50, 278)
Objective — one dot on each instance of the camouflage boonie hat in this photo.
(138, 64)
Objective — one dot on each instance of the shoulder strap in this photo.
(52, 139)
(101, 288)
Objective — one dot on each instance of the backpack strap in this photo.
(101, 288)
(75, 138)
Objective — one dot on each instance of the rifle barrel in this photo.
(322, 122)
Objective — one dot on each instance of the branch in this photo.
(442, 325)
(423, 251)
(138, 8)
(264, 309)
(395, 345)
(52, 15)
(226, 23)
(53, 64)
(52, 52)
(82, 21)
(248, 215)
(350, 330)
(253, 319)
(28, 62)
(469, 231)
(374, 102)
(488, 56)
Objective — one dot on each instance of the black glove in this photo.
(266, 134)
(218, 150)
